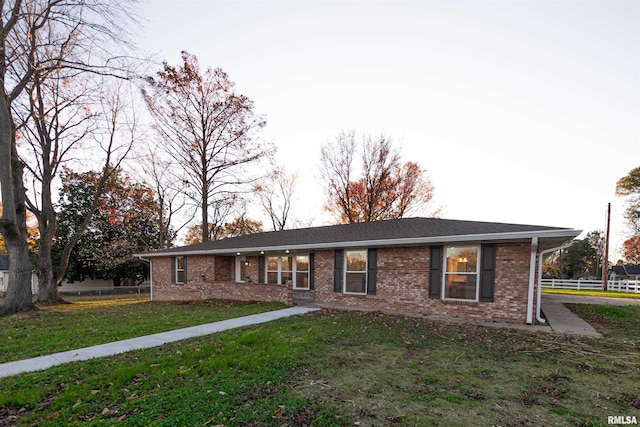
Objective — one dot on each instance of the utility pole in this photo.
(605, 262)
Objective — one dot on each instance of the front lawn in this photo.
(333, 368)
(84, 323)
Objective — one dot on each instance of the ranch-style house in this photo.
(420, 266)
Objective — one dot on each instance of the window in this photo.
(286, 270)
(461, 273)
(302, 272)
(272, 269)
(355, 272)
(180, 269)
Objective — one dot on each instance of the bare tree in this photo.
(59, 124)
(383, 188)
(207, 129)
(336, 164)
(276, 196)
(38, 36)
(165, 180)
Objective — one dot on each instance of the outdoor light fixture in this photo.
(287, 251)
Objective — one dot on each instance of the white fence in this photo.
(102, 291)
(632, 286)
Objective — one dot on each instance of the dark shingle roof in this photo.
(627, 270)
(4, 262)
(427, 229)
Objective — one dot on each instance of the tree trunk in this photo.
(13, 224)
(18, 297)
(205, 209)
(47, 277)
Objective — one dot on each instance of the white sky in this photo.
(520, 111)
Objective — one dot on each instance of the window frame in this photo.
(267, 270)
(365, 271)
(182, 270)
(446, 273)
(293, 271)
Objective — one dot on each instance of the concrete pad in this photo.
(148, 341)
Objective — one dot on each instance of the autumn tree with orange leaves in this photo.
(631, 250)
(373, 184)
(32, 233)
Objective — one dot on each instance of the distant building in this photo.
(626, 271)
(4, 277)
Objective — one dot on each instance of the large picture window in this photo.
(355, 272)
(287, 269)
(461, 273)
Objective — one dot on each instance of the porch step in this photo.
(303, 297)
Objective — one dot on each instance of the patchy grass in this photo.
(334, 368)
(621, 322)
(611, 294)
(65, 327)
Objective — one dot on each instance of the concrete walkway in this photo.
(563, 320)
(147, 341)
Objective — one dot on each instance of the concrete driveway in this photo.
(583, 299)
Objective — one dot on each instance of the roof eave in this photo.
(409, 241)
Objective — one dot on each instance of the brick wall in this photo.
(212, 277)
(403, 286)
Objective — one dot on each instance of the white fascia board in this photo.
(409, 241)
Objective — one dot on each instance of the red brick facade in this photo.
(212, 277)
(402, 284)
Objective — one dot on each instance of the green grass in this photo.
(612, 294)
(334, 368)
(621, 322)
(84, 323)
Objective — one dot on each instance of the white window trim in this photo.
(295, 272)
(477, 273)
(366, 272)
(267, 271)
(293, 269)
(280, 270)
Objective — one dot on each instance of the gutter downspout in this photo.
(539, 318)
(532, 280)
(150, 275)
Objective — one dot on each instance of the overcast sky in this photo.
(521, 112)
